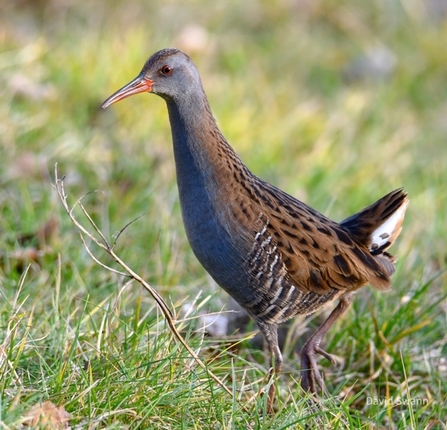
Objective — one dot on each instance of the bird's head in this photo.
(169, 73)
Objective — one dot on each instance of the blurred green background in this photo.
(336, 102)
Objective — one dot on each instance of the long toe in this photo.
(307, 377)
(310, 373)
(332, 358)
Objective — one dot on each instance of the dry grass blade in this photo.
(104, 244)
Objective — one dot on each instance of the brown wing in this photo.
(320, 255)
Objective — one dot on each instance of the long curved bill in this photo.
(140, 84)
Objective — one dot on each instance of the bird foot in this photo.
(309, 366)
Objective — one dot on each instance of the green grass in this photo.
(275, 76)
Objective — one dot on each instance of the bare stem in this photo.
(104, 244)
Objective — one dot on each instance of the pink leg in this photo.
(309, 366)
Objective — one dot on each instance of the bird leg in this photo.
(270, 332)
(309, 366)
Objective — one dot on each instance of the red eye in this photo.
(166, 70)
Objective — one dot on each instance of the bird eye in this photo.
(166, 70)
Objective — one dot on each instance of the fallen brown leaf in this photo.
(47, 415)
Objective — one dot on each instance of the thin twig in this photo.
(104, 244)
(89, 252)
(87, 215)
(124, 228)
